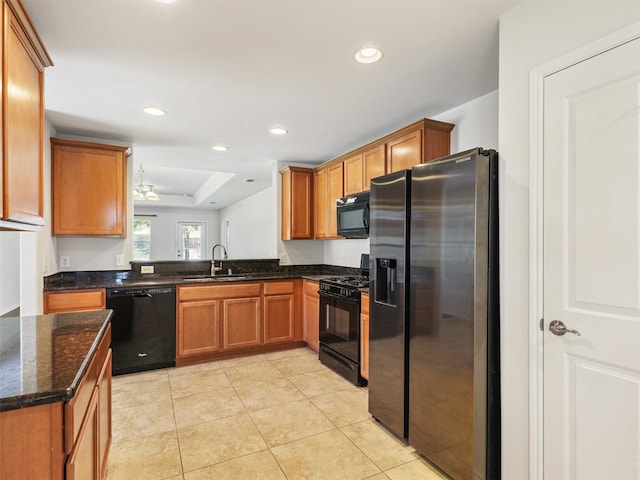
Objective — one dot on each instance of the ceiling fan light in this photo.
(143, 191)
(151, 195)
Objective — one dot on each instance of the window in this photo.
(141, 239)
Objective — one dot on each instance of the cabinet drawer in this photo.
(310, 287)
(278, 288)
(76, 408)
(79, 300)
(208, 292)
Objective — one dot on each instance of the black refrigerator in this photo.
(434, 317)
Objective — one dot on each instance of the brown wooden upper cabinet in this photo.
(297, 203)
(404, 152)
(328, 188)
(375, 160)
(21, 172)
(349, 174)
(353, 174)
(421, 142)
(89, 188)
(360, 168)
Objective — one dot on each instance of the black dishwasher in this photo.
(143, 328)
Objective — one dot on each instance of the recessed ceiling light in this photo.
(278, 131)
(368, 55)
(155, 111)
(220, 148)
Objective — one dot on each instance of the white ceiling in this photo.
(226, 71)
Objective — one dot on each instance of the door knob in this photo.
(557, 327)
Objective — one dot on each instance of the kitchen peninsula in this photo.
(55, 395)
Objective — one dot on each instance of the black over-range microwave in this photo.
(353, 216)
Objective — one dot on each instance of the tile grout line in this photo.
(309, 397)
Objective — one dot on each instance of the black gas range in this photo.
(340, 323)
(346, 286)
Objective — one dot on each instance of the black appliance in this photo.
(340, 324)
(353, 216)
(434, 317)
(143, 328)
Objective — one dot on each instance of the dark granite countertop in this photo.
(190, 273)
(43, 357)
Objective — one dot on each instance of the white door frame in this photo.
(536, 157)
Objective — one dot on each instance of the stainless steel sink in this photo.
(217, 278)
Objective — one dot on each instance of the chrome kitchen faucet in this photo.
(215, 269)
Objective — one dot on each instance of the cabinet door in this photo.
(278, 319)
(241, 323)
(82, 463)
(336, 191)
(404, 152)
(198, 328)
(364, 337)
(311, 314)
(374, 161)
(31, 445)
(104, 416)
(321, 194)
(354, 175)
(297, 203)
(23, 126)
(88, 189)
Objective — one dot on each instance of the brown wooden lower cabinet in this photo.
(241, 323)
(88, 424)
(105, 432)
(74, 300)
(217, 321)
(32, 442)
(64, 439)
(280, 311)
(198, 328)
(364, 336)
(83, 461)
(310, 314)
(278, 319)
(90, 453)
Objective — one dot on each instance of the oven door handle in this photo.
(338, 297)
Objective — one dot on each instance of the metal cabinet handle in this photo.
(557, 327)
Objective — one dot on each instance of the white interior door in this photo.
(592, 267)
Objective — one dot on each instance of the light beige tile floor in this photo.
(280, 416)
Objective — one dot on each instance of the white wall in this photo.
(164, 228)
(531, 34)
(252, 226)
(9, 271)
(476, 123)
(37, 250)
